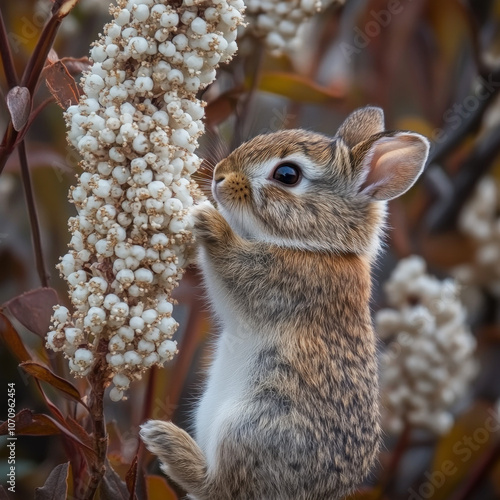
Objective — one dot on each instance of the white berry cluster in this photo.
(480, 221)
(136, 129)
(429, 361)
(278, 21)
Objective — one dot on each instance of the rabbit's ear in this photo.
(391, 164)
(361, 125)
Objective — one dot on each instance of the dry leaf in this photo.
(56, 486)
(43, 373)
(33, 309)
(19, 106)
(61, 84)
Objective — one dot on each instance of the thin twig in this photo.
(6, 55)
(39, 109)
(482, 469)
(150, 391)
(146, 413)
(39, 56)
(471, 122)
(444, 214)
(397, 454)
(449, 195)
(8, 145)
(34, 224)
(30, 79)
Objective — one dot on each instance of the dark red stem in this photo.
(391, 471)
(482, 469)
(33, 216)
(30, 77)
(6, 55)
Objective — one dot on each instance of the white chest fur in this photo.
(230, 374)
(226, 390)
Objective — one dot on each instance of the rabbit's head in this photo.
(305, 190)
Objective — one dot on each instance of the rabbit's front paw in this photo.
(155, 435)
(209, 225)
(158, 436)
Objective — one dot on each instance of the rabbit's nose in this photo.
(219, 178)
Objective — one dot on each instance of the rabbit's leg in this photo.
(181, 458)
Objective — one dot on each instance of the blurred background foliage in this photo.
(434, 67)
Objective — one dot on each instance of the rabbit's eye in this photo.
(287, 173)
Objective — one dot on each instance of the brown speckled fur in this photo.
(309, 428)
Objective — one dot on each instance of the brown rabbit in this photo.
(290, 410)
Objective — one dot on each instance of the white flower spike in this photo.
(429, 362)
(136, 128)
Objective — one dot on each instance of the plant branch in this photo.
(32, 73)
(39, 56)
(34, 224)
(98, 380)
(8, 145)
(472, 121)
(6, 55)
(482, 469)
(39, 109)
(448, 193)
(445, 212)
(391, 472)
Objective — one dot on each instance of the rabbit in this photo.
(290, 410)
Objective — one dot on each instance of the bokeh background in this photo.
(434, 67)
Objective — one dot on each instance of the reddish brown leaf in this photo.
(82, 437)
(56, 486)
(19, 106)
(43, 373)
(436, 249)
(36, 424)
(33, 309)
(30, 424)
(221, 108)
(61, 84)
(76, 65)
(131, 478)
(79, 432)
(12, 340)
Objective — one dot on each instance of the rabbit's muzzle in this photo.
(232, 187)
